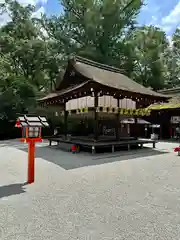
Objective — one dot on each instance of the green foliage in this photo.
(94, 29)
(26, 59)
(149, 44)
(33, 52)
(172, 61)
(107, 32)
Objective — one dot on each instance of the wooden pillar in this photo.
(96, 128)
(135, 128)
(135, 123)
(136, 133)
(128, 129)
(65, 120)
(118, 123)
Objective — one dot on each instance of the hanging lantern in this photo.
(143, 112)
(126, 112)
(84, 110)
(122, 111)
(138, 112)
(131, 112)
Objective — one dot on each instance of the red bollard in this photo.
(31, 159)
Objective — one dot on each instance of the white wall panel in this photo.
(107, 101)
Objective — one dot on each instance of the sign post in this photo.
(31, 133)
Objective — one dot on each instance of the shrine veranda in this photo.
(90, 90)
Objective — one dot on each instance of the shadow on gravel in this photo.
(13, 189)
(69, 161)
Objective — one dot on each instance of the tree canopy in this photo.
(33, 51)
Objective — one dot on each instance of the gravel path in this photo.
(124, 199)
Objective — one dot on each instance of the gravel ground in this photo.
(136, 196)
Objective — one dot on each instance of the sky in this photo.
(164, 14)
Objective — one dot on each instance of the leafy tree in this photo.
(94, 29)
(149, 45)
(19, 40)
(34, 52)
(26, 60)
(106, 32)
(176, 38)
(172, 61)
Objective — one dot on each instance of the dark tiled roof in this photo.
(102, 74)
(111, 77)
(64, 91)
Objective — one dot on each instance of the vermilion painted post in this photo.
(31, 159)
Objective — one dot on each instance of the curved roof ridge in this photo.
(113, 79)
(96, 64)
